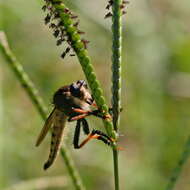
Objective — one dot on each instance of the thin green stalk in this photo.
(22, 76)
(32, 92)
(177, 171)
(116, 77)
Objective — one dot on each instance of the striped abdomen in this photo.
(59, 121)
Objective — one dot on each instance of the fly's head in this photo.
(81, 95)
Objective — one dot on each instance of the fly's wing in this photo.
(46, 127)
(57, 135)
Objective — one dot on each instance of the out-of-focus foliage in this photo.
(155, 121)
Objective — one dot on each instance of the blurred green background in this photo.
(155, 122)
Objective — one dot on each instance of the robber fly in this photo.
(71, 103)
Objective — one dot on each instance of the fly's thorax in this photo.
(61, 98)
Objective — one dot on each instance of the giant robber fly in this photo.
(71, 103)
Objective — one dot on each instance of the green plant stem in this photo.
(177, 171)
(32, 92)
(116, 77)
(23, 78)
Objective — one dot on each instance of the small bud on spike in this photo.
(59, 42)
(65, 52)
(52, 25)
(47, 19)
(44, 8)
(124, 12)
(56, 16)
(56, 33)
(63, 55)
(76, 24)
(108, 15)
(108, 7)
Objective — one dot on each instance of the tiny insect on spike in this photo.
(59, 42)
(72, 55)
(56, 33)
(108, 15)
(44, 8)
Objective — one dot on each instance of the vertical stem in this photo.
(116, 169)
(116, 77)
(116, 63)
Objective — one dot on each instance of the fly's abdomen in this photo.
(57, 135)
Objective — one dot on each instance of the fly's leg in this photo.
(83, 113)
(80, 114)
(96, 134)
(78, 117)
(77, 134)
(85, 126)
(77, 131)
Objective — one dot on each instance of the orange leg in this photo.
(91, 136)
(96, 134)
(78, 117)
(95, 113)
(78, 110)
(98, 137)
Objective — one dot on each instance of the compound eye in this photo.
(75, 90)
(82, 83)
